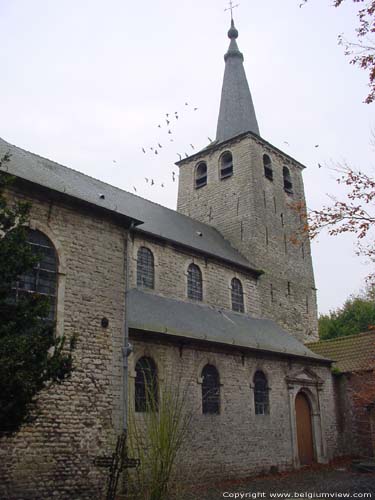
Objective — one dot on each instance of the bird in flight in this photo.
(152, 182)
(192, 147)
(173, 176)
(146, 179)
(135, 190)
(316, 145)
(143, 149)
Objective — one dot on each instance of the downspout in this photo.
(127, 348)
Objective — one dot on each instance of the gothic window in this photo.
(226, 165)
(288, 185)
(210, 390)
(146, 385)
(145, 268)
(42, 279)
(268, 171)
(201, 175)
(261, 398)
(237, 295)
(194, 283)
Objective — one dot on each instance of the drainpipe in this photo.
(127, 347)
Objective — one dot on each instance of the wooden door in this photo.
(304, 430)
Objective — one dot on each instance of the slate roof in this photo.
(153, 313)
(157, 220)
(350, 354)
(237, 113)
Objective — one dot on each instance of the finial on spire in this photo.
(231, 7)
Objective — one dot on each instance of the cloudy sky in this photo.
(87, 82)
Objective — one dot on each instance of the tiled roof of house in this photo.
(350, 354)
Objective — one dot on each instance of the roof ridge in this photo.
(119, 190)
(343, 337)
(114, 187)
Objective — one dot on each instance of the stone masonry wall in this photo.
(236, 443)
(53, 457)
(256, 216)
(171, 265)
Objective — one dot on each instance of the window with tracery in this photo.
(261, 397)
(237, 296)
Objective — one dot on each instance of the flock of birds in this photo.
(170, 119)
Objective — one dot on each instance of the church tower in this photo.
(244, 187)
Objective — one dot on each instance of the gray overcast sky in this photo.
(86, 82)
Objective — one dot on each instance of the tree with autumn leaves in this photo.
(362, 50)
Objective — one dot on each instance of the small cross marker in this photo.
(231, 7)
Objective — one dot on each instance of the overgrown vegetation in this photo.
(355, 316)
(155, 437)
(31, 356)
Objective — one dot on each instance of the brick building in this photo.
(213, 294)
(354, 368)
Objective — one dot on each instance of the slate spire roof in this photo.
(237, 113)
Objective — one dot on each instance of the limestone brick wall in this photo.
(171, 265)
(256, 216)
(77, 420)
(236, 443)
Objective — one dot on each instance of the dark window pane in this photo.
(261, 397)
(268, 172)
(194, 283)
(288, 185)
(145, 268)
(226, 165)
(210, 390)
(201, 175)
(146, 385)
(237, 296)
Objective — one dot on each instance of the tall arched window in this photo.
(146, 385)
(210, 390)
(261, 397)
(201, 175)
(226, 165)
(237, 296)
(194, 283)
(288, 185)
(268, 171)
(145, 268)
(42, 279)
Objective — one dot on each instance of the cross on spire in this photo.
(231, 7)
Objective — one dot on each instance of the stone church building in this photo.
(213, 294)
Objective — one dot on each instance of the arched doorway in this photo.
(304, 430)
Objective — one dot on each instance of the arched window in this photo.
(237, 296)
(194, 283)
(42, 279)
(146, 385)
(267, 163)
(201, 175)
(210, 390)
(226, 165)
(261, 398)
(145, 268)
(288, 185)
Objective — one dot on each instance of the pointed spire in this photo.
(237, 113)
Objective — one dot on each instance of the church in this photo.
(214, 294)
